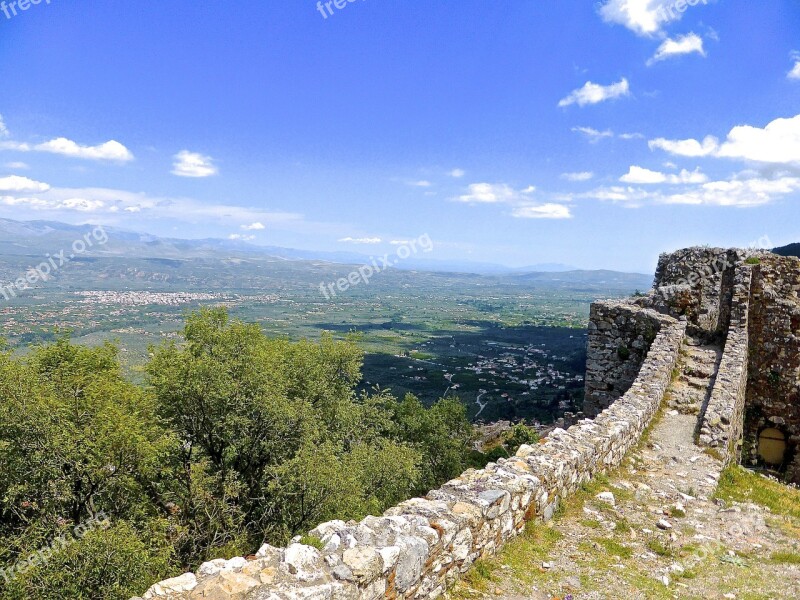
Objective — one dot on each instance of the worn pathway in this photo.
(652, 529)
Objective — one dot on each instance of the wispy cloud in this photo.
(594, 135)
(193, 164)
(423, 183)
(579, 176)
(742, 190)
(241, 237)
(488, 193)
(108, 203)
(685, 44)
(361, 240)
(640, 175)
(457, 173)
(17, 165)
(524, 206)
(548, 210)
(3, 128)
(593, 93)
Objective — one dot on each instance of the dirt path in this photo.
(652, 529)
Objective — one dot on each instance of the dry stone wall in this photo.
(723, 419)
(418, 548)
(620, 334)
(773, 390)
(697, 283)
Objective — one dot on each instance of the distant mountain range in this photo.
(38, 238)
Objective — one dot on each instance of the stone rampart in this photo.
(421, 546)
(620, 334)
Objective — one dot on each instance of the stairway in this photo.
(698, 370)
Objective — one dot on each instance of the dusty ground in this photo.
(654, 528)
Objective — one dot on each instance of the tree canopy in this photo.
(235, 439)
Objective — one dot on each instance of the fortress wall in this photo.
(697, 283)
(418, 548)
(723, 421)
(620, 334)
(773, 394)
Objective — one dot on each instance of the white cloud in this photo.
(683, 44)
(685, 176)
(3, 128)
(523, 207)
(795, 72)
(644, 17)
(12, 145)
(542, 211)
(422, 183)
(743, 190)
(111, 150)
(363, 240)
(777, 143)
(193, 164)
(254, 226)
(593, 93)
(580, 176)
(241, 237)
(630, 196)
(631, 136)
(15, 183)
(457, 173)
(81, 204)
(690, 147)
(640, 175)
(488, 193)
(109, 202)
(17, 165)
(593, 134)
(737, 192)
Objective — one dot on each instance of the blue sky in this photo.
(591, 133)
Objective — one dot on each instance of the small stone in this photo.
(607, 497)
(663, 524)
(547, 565)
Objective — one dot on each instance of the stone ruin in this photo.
(745, 302)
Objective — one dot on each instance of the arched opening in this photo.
(772, 447)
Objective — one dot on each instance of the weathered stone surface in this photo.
(171, 587)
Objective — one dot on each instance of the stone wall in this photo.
(723, 419)
(773, 391)
(697, 283)
(620, 334)
(418, 548)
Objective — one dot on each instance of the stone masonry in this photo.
(745, 303)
